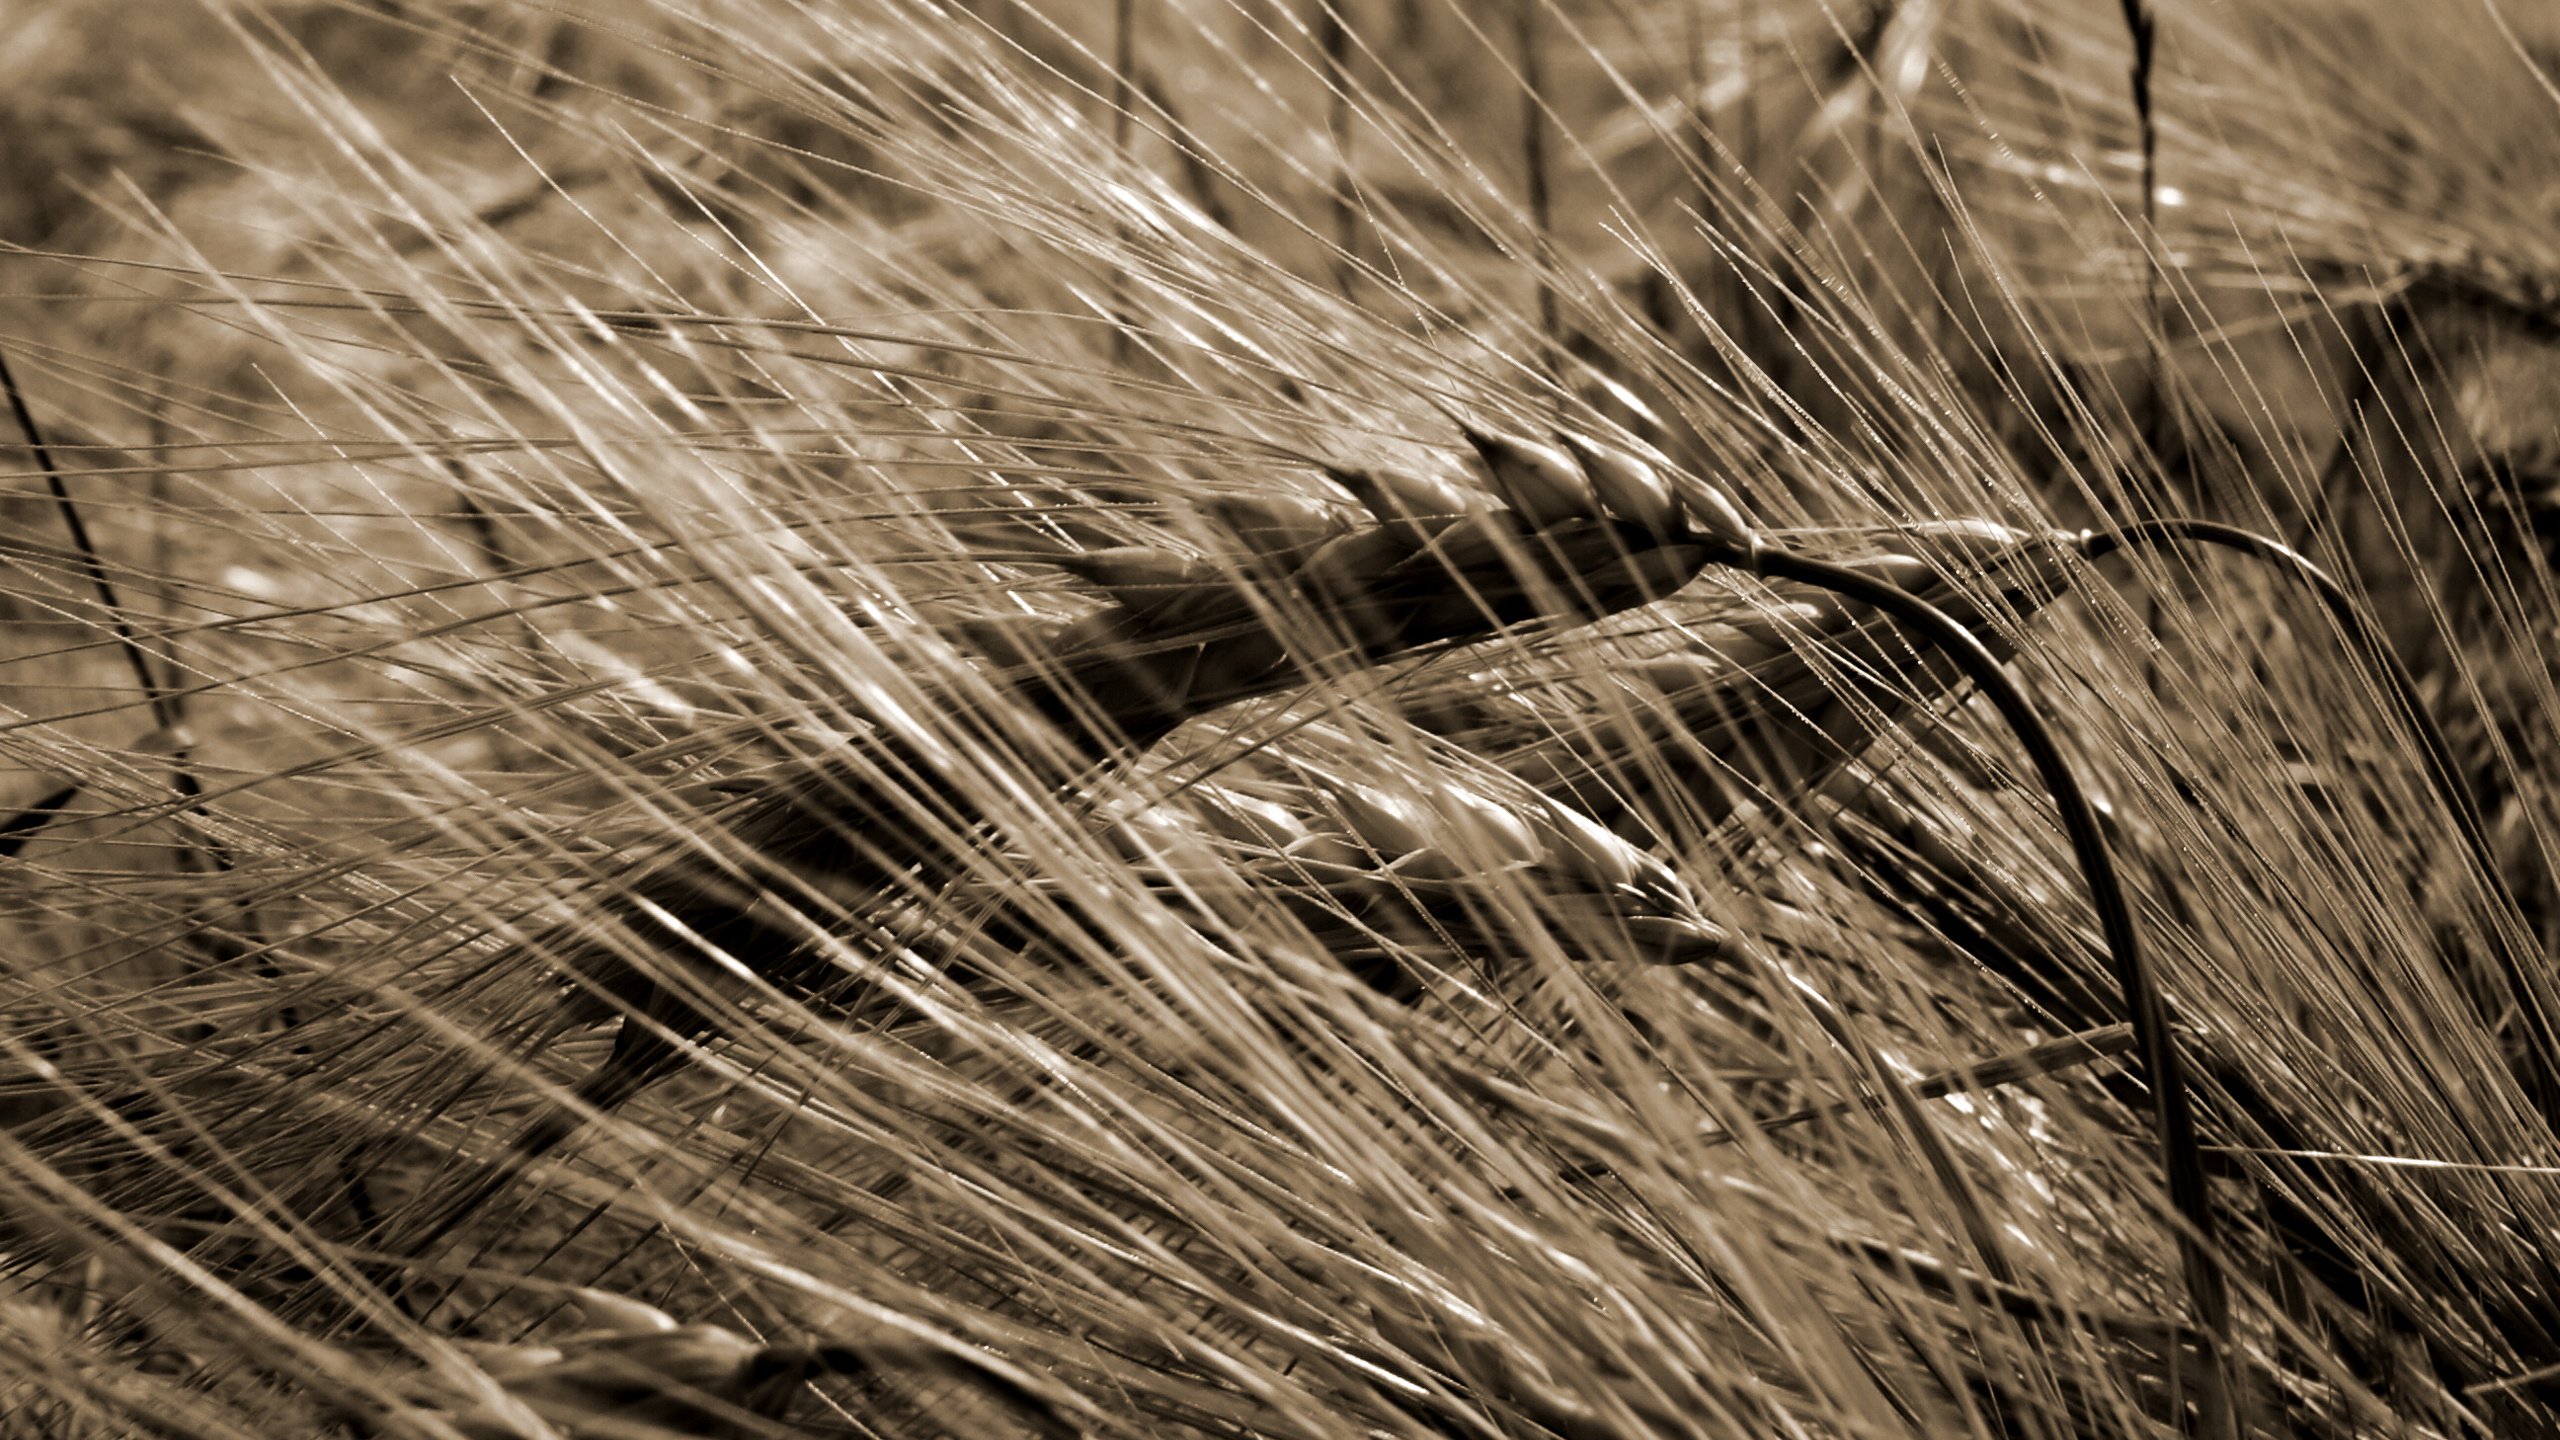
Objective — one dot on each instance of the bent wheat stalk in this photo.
(1242, 1193)
(1183, 639)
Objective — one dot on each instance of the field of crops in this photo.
(1279, 718)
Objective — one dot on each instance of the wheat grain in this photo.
(993, 635)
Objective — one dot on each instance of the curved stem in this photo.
(2366, 637)
(2182, 1159)
(2362, 633)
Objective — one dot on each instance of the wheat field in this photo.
(1288, 718)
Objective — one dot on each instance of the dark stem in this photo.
(1124, 56)
(167, 714)
(1533, 157)
(92, 567)
(1333, 42)
(2366, 639)
(1124, 59)
(16, 830)
(2146, 1008)
(2143, 26)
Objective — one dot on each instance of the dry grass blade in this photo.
(1076, 706)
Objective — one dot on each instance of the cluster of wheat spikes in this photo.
(1279, 718)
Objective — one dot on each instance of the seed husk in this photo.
(1628, 487)
(1275, 524)
(1146, 579)
(1411, 506)
(1540, 482)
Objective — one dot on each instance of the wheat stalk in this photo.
(1088, 628)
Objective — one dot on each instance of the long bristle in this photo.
(1006, 719)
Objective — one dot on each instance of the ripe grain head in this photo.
(773, 465)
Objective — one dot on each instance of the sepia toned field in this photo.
(1281, 718)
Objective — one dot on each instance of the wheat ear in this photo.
(1291, 603)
